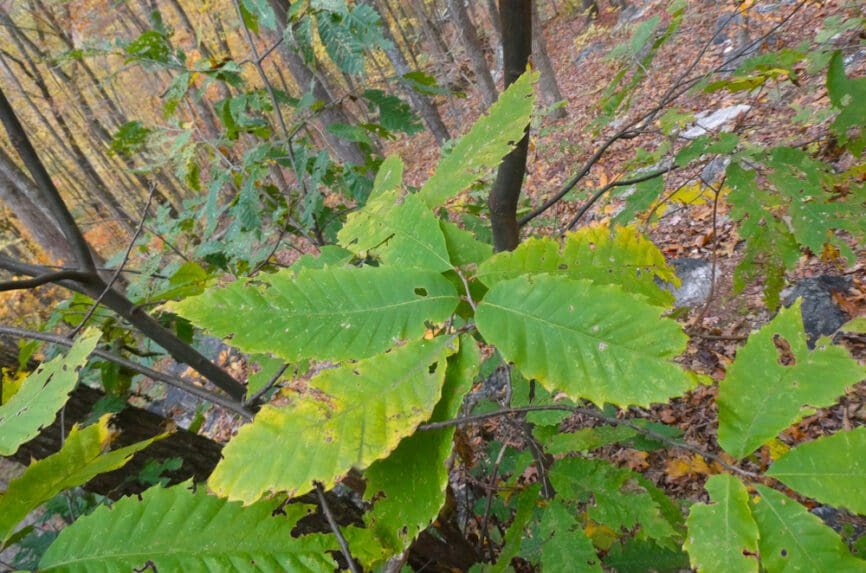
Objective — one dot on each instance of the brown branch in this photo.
(488, 504)
(597, 416)
(146, 325)
(116, 274)
(622, 183)
(178, 383)
(344, 546)
(47, 278)
(253, 400)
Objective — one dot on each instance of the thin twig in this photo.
(590, 414)
(253, 400)
(116, 274)
(344, 546)
(485, 520)
(106, 270)
(178, 383)
(622, 183)
(469, 298)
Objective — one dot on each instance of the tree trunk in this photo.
(98, 186)
(496, 25)
(395, 17)
(517, 37)
(332, 112)
(23, 202)
(422, 104)
(433, 34)
(474, 51)
(548, 87)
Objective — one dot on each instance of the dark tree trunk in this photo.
(517, 45)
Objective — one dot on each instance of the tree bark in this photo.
(395, 17)
(474, 51)
(38, 224)
(496, 26)
(332, 112)
(422, 104)
(433, 34)
(548, 87)
(517, 46)
(98, 186)
(96, 287)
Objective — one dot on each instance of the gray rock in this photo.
(821, 315)
(768, 7)
(854, 59)
(838, 519)
(496, 387)
(710, 121)
(696, 277)
(714, 170)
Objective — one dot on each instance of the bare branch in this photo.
(589, 413)
(344, 546)
(47, 278)
(253, 400)
(178, 383)
(116, 274)
(621, 183)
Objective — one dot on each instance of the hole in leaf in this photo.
(433, 367)
(420, 291)
(784, 552)
(783, 348)
(356, 372)
(563, 267)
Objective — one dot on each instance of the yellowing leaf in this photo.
(355, 415)
(12, 382)
(81, 458)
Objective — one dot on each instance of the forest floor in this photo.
(701, 230)
(720, 325)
